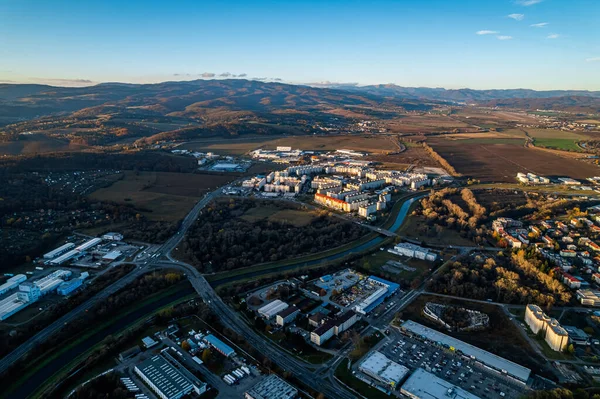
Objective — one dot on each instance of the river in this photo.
(373, 243)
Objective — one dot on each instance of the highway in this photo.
(309, 374)
(303, 371)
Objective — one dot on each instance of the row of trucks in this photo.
(236, 375)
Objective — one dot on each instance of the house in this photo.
(571, 281)
(567, 253)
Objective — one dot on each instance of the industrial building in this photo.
(219, 345)
(333, 327)
(272, 387)
(379, 367)
(69, 286)
(111, 256)
(112, 236)
(555, 336)
(65, 257)
(51, 282)
(12, 283)
(491, 361)
(28, 294)
(424, 385)
(89, 244)
(164, 379)
(287, 315)
(272, 308)
(59, 251)
(386, 289)
(414, 251)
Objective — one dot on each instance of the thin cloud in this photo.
(486, 32)
(593, 59)
(553, 36)
(516, 17)
(225, 75)
(242, 75)
(207, 75)
(528, 3)
(540, 25)
(64, 82)
(7, 81)
(504, 37)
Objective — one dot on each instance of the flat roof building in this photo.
(424, 385)
(272, 387)
(12, 283)
(163, 378)
(272, 308)
(492, 361)
(379, 367)
(219, 345)
(59, 251)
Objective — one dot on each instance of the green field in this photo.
(557, 144)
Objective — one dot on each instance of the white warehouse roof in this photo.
(377, 365)
(422, 384)
(271, 309)
(485, 357)
(89, 244)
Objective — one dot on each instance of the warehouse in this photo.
(65, 257)
(11, 305)
(59, 251)
(379, 367)
(424, 385)
(111, 256)
(272, 308)
(272, 387)
(52, 281)
(487, 359)
(69, 286)
(89, 244)
(112, 236)
(163, 378)
(219, 345)
(28, 294)
(12, 283)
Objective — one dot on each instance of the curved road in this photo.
(305, 372)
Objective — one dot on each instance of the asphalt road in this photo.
(303, 371)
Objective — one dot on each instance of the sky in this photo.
(480, 44)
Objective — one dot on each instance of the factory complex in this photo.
(30, 292)
(165, 380)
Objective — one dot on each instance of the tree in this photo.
(185, 345)
(206, 355)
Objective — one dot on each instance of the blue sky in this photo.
(434, 43)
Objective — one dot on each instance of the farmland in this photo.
(160, 196)
(500, 162)
(377, 144)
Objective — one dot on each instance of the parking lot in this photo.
(457, 369)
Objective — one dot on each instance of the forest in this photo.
(222, 240)
(518, 278)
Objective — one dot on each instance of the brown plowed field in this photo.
(490, 162)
